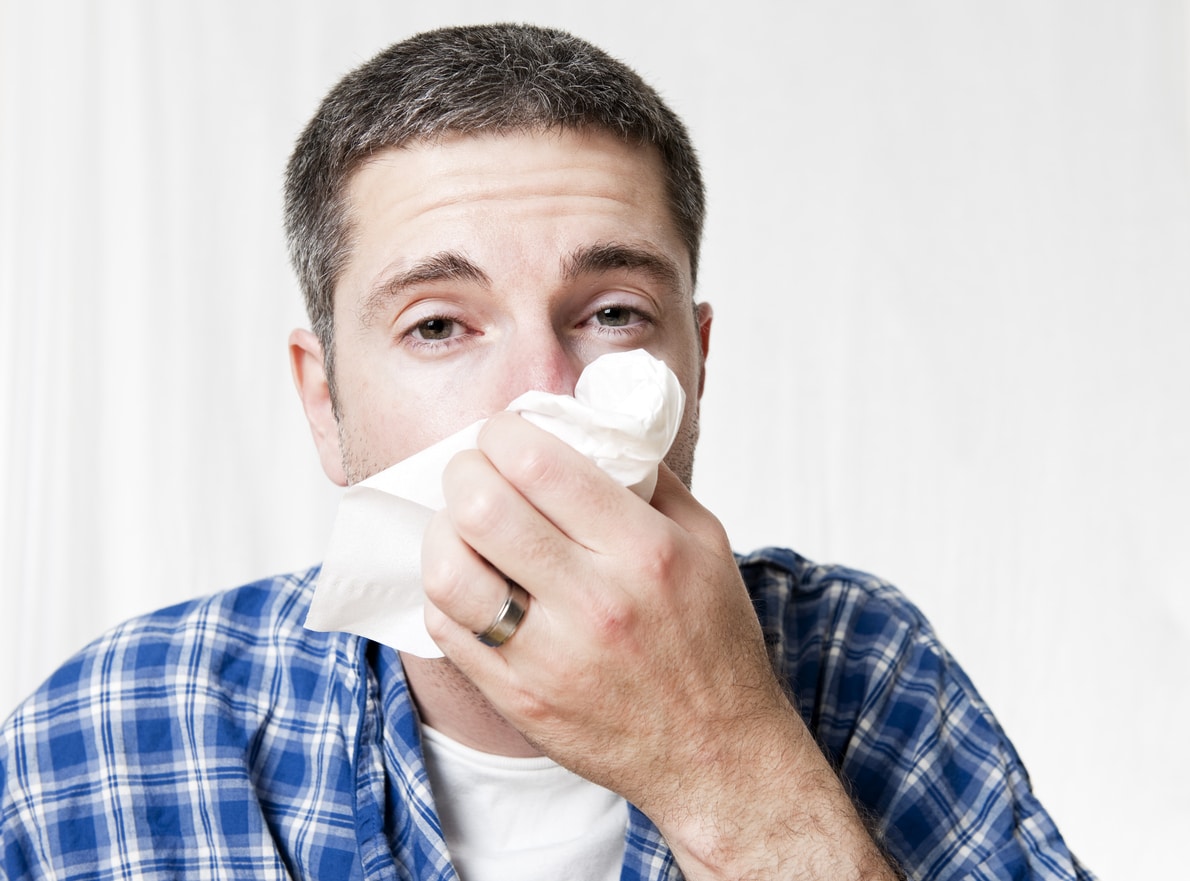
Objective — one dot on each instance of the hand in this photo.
(639, 625)
(640, 663)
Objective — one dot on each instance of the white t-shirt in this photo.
(523, 818)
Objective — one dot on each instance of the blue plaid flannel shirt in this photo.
(221, 739)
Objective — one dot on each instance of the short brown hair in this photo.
(489, 79)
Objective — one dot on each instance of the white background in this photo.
(949, 252)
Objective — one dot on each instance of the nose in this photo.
(543, 363)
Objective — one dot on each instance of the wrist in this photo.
(773, 809)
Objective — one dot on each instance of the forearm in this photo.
(776, 810)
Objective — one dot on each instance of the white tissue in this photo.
(624, 415)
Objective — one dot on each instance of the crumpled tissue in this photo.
(624, 415)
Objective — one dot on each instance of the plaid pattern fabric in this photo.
(221, 739)
(942, 785)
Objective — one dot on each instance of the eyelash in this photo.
(642, 318)
(408, 336)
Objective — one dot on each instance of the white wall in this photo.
(949, 252)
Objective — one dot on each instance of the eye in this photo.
(434, 334)
(437, 328)
(615, 316)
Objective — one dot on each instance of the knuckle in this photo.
(716, 534)
(531, 466)
(478, 512)
(663, 559)
(438, 625)
(443, 581)
(521, 452)
(613, 620)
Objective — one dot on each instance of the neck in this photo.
(450, 703)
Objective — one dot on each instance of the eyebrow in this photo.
(586, 260)
(443, 266)
(608, 256)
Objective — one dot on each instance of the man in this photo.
(475, 213)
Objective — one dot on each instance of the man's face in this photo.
(483, 267)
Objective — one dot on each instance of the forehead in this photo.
(534, 194)
(526, 163)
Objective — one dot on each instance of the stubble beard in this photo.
(359, 463)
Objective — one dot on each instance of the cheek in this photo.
(367, 445)
(684, 357)
(374, 426)
(680, 457)
(387, 418)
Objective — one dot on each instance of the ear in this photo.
(703, 314)
(309, 375)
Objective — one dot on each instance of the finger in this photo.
(675, 501)
(461, 586)
(464, 593)
(499, 525)
(570, 490)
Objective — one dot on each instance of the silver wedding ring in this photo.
(508, 619)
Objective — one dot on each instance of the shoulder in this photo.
(809, 610)
(896, 714)
(188, 713)
(231, 637)
(854, 650)
(211, 650)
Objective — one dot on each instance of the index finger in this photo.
(566, 487)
